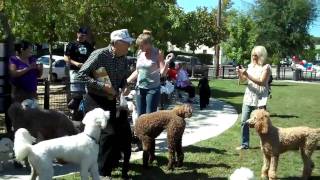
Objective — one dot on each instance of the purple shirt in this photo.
(28, 81)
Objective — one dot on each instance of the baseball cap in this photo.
(121, 35)
(83, 30)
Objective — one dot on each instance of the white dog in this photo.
(81, 149)
(6, 151)
(242, 174)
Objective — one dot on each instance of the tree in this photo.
(282, 26)
(241, 39)
(49, 21)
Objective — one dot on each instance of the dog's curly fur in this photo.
(149, 126)
(80, 149)
(42, 124)
(275, 141)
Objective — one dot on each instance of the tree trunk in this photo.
(50, 62)
(9, 39)
(192, 66)
(217, 54)
(278, 71)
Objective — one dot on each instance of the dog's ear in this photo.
(262, 122)
(104, 121)
(87, 118)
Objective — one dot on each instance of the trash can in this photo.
(296, 75)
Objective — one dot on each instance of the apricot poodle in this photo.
(149, 126)
(275, 141)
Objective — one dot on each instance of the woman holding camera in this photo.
(256, 93)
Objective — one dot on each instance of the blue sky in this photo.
(242, 5)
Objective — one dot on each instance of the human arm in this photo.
(68, 60)
(132, 77)
(15, 72)
(85, 74)
(164, 63)
(262, 80)
(240, 75)
(70, 49)
(40, 69)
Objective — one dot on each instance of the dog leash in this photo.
(92, 138)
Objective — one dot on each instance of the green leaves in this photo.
(282, 26)
(242, 37)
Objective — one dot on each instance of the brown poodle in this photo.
(149, 126)
(42, 124)
(275, 141)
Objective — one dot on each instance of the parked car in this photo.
(58, 67)
(192, 62)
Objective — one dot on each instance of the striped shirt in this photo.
(117, 69)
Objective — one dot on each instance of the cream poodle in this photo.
(80, 149)
(275, 141)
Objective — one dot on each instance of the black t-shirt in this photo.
(78, 51)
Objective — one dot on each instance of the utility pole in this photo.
(217, 47)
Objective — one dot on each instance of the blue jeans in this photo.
(147, 100)
(245, 136)
(77, 88)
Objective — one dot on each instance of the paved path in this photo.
(217, 118)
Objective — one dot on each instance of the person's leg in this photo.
(246, 111)
(76, 89)
(141, 101)
(153, 97)
(107, 145)
(202, 102)
(192, 91)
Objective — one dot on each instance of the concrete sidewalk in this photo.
(204, 124)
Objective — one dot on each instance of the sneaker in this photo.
(242, 147)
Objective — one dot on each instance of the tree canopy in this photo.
(282, 26)
(242, 37)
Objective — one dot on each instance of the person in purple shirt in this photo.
(24, 72)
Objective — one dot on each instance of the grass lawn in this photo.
(216, 158)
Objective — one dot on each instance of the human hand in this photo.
(242, 72)
(79, 65)
(169, 57)
(33, 66)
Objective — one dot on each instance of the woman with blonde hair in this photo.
(150, 66)
(257, 91)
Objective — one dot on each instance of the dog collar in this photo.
(92, 138)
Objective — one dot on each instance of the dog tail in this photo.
(22, 144)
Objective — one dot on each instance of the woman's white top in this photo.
(148, 70)
(256, 95)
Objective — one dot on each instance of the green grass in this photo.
(216, 158)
